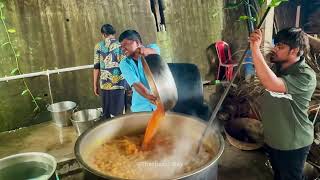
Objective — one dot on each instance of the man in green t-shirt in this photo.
(289, 86)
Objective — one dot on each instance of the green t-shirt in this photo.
(284, 115)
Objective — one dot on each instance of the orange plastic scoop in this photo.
(153, 124)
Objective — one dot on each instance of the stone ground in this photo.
(46, 137)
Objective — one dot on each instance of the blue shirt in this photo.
(134, 73)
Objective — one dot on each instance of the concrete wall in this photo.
(192, 25)
(62, 33)
(58, 34)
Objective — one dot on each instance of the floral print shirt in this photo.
(107, 56)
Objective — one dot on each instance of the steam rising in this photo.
(182, 157)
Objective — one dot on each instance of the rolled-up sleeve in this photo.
(128, 72)
(155, 47)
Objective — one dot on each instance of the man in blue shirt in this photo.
(132, 70)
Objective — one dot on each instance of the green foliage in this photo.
(38, 98)
(14, 71)
(24, 92)
(275, 3)
(215, 14)
(11, 30)
(261, 2)
(4, 44)
(247, 18)
(36, 109)
(16, 54)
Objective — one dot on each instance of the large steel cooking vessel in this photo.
(160, 80)
(181, 125)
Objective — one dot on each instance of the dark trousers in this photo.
(113, 102)
(128, 100)
(288, 165)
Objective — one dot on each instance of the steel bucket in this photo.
(32, 165)
(84, 119)
(61, 112)
(136, 123)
